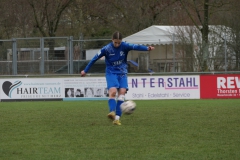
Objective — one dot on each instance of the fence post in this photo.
(81, 46)
(70, 55)
(225, 51)
(174, 65)
(42, 56)
(14, 56)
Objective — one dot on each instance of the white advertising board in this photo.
(95, 88)
(163, 87)
(31, 88)
(54, 88)
(85, 88)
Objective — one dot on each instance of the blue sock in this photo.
(118, 109)
(112, 104)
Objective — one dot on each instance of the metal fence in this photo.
(47, 55)
(64, 55)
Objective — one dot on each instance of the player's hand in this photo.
(151, 48)
(83, 74)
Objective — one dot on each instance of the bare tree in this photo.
(47, 15)
(102, 17)
(187, 37)
(9, 19)
(231, 17)
(200, 13)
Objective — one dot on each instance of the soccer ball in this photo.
(128, 107)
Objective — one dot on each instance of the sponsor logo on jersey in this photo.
(117, 63)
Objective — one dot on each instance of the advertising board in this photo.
(220, 86)
(31, 89)
(95, 88)
(163, 87)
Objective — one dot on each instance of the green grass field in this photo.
(159, 129)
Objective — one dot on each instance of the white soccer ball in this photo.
(128, 107)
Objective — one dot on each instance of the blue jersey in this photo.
(115, 58)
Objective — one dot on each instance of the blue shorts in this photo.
(117, 81)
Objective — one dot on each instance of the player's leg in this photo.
(112, 85)
(111, 101)
(120, 100)
(123, 85)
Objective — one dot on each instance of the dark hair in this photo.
(117, 35)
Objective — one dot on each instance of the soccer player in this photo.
(116, 71)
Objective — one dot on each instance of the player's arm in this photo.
(150, 48)
(100, 54)
(140, 47)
